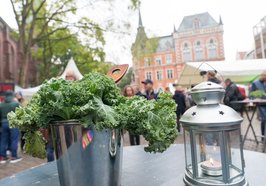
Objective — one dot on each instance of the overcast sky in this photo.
(159, 16)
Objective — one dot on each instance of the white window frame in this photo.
(158, 61)
(159, 75)
(170, 75)
(212, 49)
(147, 62)
(199, 51)
(187, 55)
(148, 75)
(168, 59)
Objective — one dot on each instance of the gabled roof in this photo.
(166, 43)
(4, 23)
(205, 21)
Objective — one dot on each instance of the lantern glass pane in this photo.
(209, 156)
(188, 151)
(235, 158)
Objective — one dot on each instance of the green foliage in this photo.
(155, 120)
(257, 94)
(35, 144)
(46, 34)
(56, 50)
(25, 117)
(143, 47)
(96, 100)
(126, 79)
(135, 4)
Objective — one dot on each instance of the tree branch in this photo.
(37, 39)
(15, 12)
(57, 12)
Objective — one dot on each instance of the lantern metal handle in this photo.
(202, 74)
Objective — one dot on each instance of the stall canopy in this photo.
(241, 71)
(71, 66)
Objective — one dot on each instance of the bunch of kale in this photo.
(96, 100)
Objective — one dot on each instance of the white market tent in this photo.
(239, 71)
(71, 66)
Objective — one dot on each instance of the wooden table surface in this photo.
(140, 168)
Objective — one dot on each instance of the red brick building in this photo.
(9, 57)
(198, 38)
(259, 31)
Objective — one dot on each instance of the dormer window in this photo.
(196, 23)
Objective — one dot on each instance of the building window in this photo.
(170, 74)
(149, 75)
(168, 59)
(186, 53)
(159, 75)
(198, 51)
(196, 23)
(147, 62)
(212, 52)
(158, 61)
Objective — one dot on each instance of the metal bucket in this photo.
(86, 157)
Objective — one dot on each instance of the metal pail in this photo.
(85, 156)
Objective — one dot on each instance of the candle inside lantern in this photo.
(211, 167)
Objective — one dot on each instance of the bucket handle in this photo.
(113, 143)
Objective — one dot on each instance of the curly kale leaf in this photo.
(96, 100)
(101, 86)
(155, 120)
(91, 99)
(25, 118)
(35, 144)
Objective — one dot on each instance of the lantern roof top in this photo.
(208, 112)
(207, 93)
(206, 86)
(211, 116)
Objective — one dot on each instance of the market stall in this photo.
(71, 66)
(239, 71)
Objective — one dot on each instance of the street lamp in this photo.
(213, 150)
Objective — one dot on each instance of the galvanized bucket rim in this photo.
(66, 122)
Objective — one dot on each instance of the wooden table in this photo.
(143, 169)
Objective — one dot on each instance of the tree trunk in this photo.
(24, 69)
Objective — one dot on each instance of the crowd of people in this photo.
(9, 137)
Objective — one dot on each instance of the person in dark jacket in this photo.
(7, 106)
(180, 100)
(138, 92)
(149, 93)
(211, 75)
(232, 93)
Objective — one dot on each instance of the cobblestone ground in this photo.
(28, 162)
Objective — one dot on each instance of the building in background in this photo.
(243, 55)
(198, 38)
(153, 59)
(259, 32)
(9, 57)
